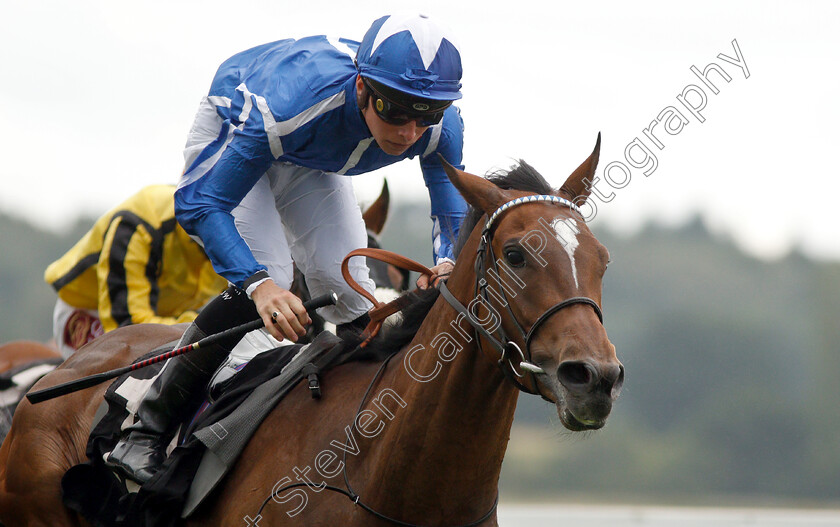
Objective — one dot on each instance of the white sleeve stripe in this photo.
(268, 118)
(218, 100)
(436, 239)
(434, 140)
(247, 104)
(274, 130)
(355, 156)
(207, 164)
(286, 127)
(341, 46)
(269, 123)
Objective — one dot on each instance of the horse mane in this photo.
(521, 177)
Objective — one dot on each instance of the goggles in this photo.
(421, 111)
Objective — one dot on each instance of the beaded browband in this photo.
(529, 199)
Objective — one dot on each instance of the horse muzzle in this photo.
(585, 392)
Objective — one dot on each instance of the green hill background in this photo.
(731, 392)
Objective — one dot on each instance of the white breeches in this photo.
(299, 215)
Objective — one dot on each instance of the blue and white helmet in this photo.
(412, 54)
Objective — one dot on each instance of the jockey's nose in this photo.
(408, 131)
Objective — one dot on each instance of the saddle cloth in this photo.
(208, 447)
(15, 383)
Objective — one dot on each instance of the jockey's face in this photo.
(392, 139)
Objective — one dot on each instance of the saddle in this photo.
(205, 448)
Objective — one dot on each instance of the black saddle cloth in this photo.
(103, 499)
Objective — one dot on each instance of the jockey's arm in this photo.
(203, 208)
(448, 207)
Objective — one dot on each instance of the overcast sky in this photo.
(96, 99)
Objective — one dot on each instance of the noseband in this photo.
(507, 348)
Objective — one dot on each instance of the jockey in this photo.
(135, 265)
(264, 186)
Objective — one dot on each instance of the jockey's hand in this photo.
(440, 272)
(291, 315)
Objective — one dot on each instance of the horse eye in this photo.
(515, 257)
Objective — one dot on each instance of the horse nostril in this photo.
(612, 374)
(580, 376)
(618, 383)
(576, 375)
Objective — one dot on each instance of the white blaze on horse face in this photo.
(566, 233)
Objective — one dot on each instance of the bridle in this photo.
(503, 344)
(509, 351)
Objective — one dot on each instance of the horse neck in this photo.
(445, 449)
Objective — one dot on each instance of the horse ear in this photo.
(477, 191)
(579, 184)
(377, 213)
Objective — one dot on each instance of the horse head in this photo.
(536, 290)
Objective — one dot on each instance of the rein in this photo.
(380, 310)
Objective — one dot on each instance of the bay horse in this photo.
(418, 439)
(15, 356)
(20, 352)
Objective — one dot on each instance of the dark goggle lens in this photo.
(398, 115)
(392, 114)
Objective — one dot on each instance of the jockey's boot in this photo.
(179, 388)
(173, 394)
